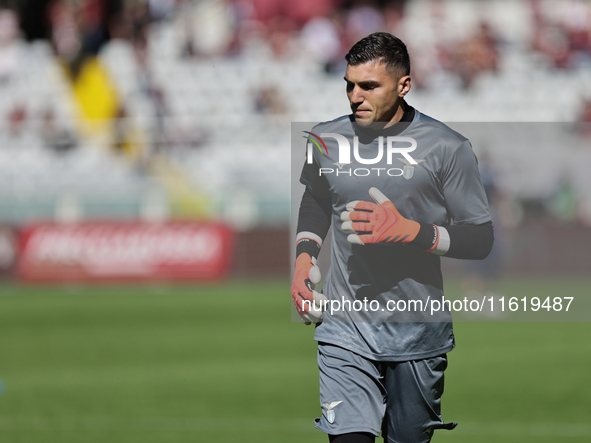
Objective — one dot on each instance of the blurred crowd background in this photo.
(180, 109)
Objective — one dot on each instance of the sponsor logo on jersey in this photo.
(330, 414)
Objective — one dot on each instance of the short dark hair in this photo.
(383, 47)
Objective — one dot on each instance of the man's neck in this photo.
(397, 116)
(401, 114)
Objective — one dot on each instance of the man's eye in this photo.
(350, 86)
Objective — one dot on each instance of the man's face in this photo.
(374, 93)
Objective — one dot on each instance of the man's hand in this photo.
(306, 276)
(380, 221)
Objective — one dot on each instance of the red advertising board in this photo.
(119, 251)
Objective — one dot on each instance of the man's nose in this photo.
(356, 95)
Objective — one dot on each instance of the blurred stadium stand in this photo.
(206, 91)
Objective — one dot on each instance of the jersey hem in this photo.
(346, 430)
(387, 357)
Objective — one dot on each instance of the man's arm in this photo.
(469, 242)
(313, 224)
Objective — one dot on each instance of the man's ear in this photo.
(404, 85)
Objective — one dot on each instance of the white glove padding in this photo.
(307, 275)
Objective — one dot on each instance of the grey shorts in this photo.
(400, 399)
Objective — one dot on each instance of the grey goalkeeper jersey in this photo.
(385, 299)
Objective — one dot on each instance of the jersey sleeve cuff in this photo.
(443, 241)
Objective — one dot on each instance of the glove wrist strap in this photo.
(432, 238)
(308, 242)
(427, 237)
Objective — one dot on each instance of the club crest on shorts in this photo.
(330, 415)
(409, 170)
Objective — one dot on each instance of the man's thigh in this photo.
(352, 393)
(414, 390)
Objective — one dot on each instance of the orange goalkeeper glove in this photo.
(308, 302)
(381, 221)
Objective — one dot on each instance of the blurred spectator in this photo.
(476, 55)
(8, 35)
(144, 78)
(268, 100)
(393, 16)
(551, 41)
(78, 30)
(17, 119)
(160, 9)
(65, 36)
(189, 48)
(577, 25)
(120, 24)
(160, 130)
(121, 131)
(298, 12)
(304, 10)
(128, 142)
(242, 14)
(281, 32)
(363, 19)
(56, 137)
(17, 135)
(132, 23)
(155, 94)
(91, 19)
(139, 15)
(275, 21)
(322, 39)
(182, 140)
(562, 32)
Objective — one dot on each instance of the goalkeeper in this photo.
(391, 218)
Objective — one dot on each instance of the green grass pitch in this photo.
(220, 363)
